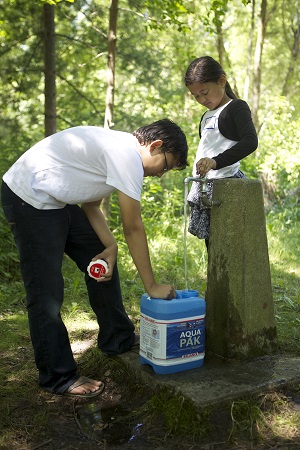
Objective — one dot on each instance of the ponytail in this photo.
(229, 91)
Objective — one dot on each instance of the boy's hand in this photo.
(110, 256)
(204, 165)
(164, 291)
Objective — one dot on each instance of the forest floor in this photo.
(125, 416)
(128, 414)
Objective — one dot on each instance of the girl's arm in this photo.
(235, 123)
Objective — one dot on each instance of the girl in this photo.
(226, 131)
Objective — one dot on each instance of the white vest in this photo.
(212, 143)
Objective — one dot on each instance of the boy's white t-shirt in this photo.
(212, 143)
(78, 165)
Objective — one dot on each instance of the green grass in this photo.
(26, 411)
(284, 253)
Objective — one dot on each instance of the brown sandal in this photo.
(80, 382)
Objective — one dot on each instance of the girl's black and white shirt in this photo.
(227, 135)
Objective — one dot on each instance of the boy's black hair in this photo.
(174, 139)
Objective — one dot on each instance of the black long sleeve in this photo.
(235, 123)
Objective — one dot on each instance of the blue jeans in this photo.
(42, 238)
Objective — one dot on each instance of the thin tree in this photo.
(224, 59)
(111, 63)
(261, 33)
(250, 50)
(49, 69)
(294, 28)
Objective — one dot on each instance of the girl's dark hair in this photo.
(205, 69)
(174, 139)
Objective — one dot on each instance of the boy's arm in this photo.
(136, 239)
(98, 222)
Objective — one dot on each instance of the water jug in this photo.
(172, 332)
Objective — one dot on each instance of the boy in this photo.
(41, 194)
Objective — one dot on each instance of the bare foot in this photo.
(85, 387)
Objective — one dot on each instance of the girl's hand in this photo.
(204, 165)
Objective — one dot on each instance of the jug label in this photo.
(173, 338)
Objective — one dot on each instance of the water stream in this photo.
(110, 426)
(186, 189)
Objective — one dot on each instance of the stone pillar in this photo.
(240, 318)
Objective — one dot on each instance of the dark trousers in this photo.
(42, 238)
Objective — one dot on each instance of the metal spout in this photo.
(205, 200)
(188, 179)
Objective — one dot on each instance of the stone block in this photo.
(240, 310)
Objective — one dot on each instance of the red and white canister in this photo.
(97, 268)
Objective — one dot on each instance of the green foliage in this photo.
(149, 85)
(279, 144)
(9, 260)
(219, 8)
(264, 418)
(180, 415)
(284, 244)
(284, 214)
(161, 13)
(54, 2)
(245, 414)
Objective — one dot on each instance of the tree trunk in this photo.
(49, 69)
(249, 58)
(257, 61)
(112, 40)
(224, 59)
(294, 48)
(108, 120)
(220, 44)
